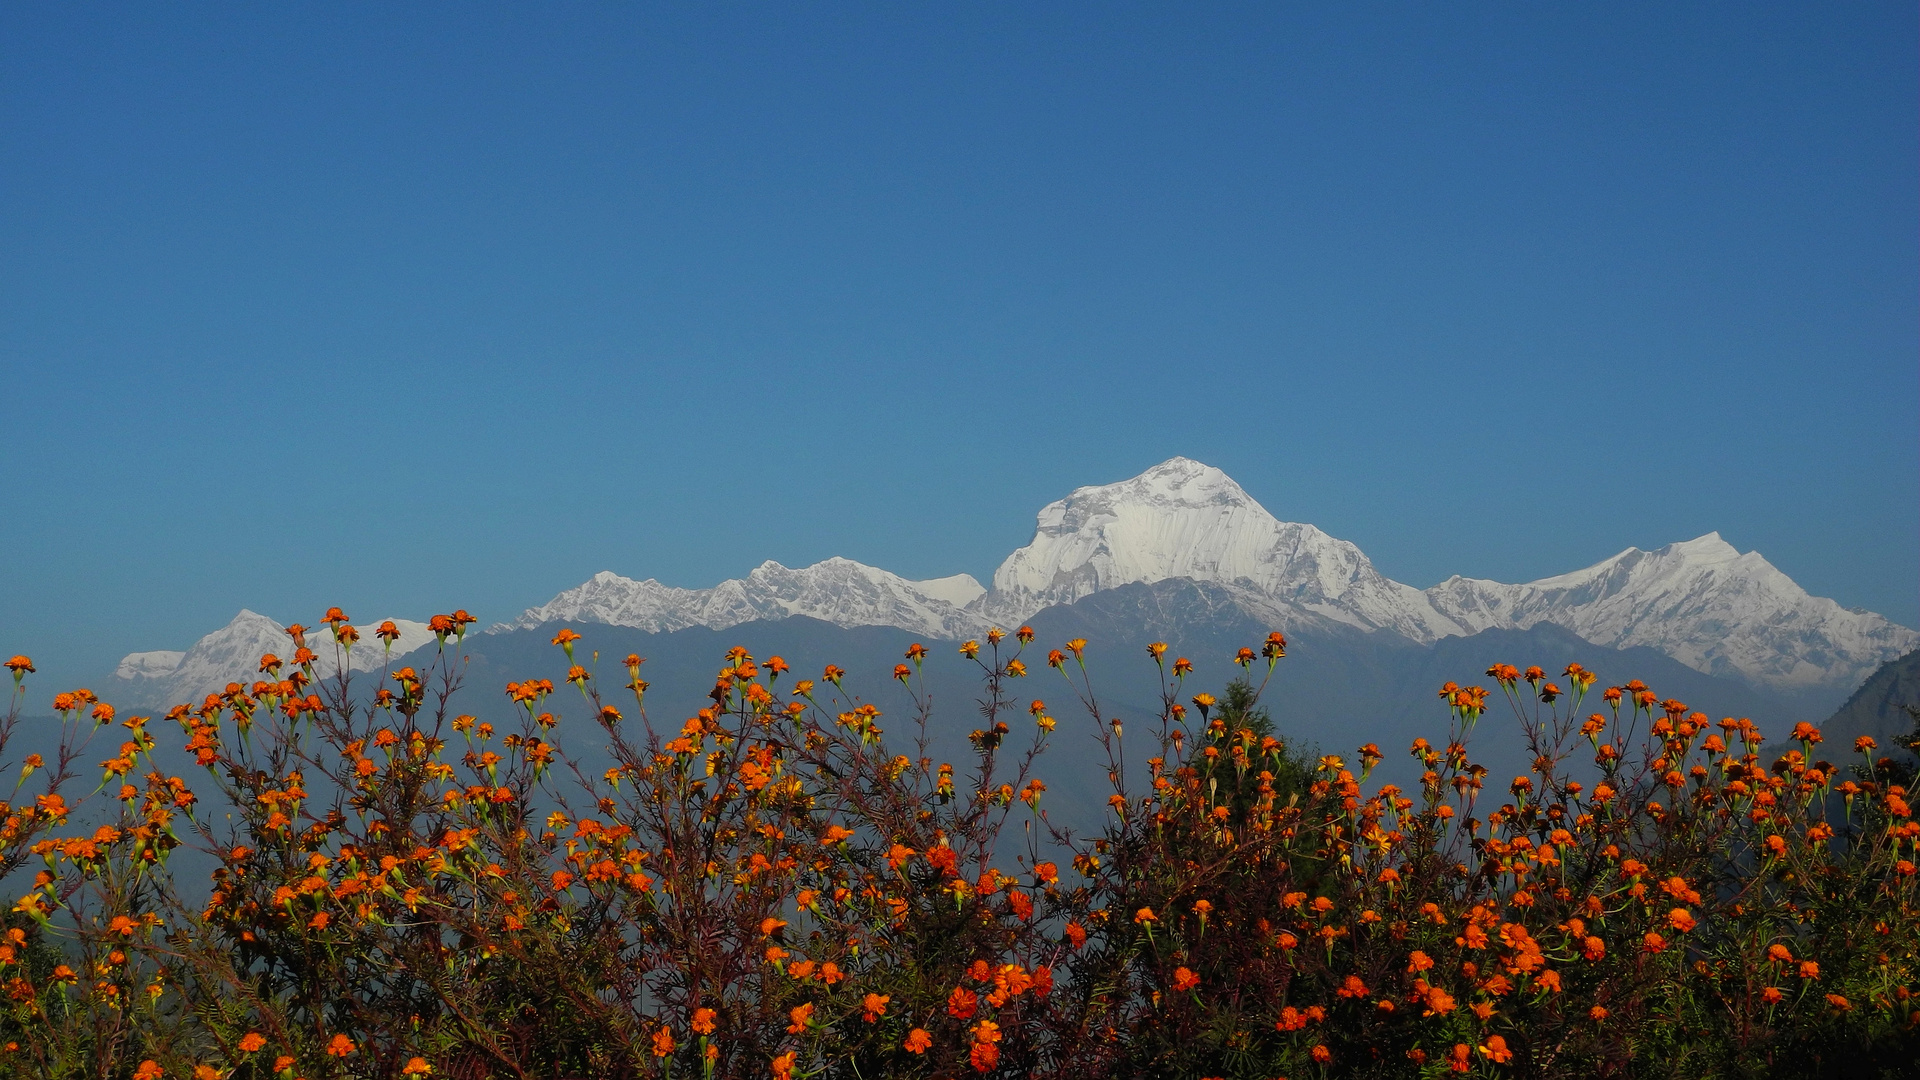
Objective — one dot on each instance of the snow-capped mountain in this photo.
(232, 654)
(1182, 519)
(1701, 602)
(839, 591)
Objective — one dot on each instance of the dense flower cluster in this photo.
(772, 889)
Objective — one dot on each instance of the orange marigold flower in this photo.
(1145, 915)
(1418, 962)
(984, 1054)
(252, 1041)
(21, 665)
(1321, 1054)
(1681, 919)
(782, 1065)
(1838, 1002)
(702, 1021)
(1772, 995)
(565, 637)
(962, 1003)
(340, 1046)
(663, 1042)
(1184, 979)
(417, 1066)
(1496, 1049)
(148, 1070)
(917, 1041)
(801, 1016)
(1809, 969)
(874, 1006)
(1653, 942)
(1597, 1013)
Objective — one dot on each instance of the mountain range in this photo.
(1206, 551)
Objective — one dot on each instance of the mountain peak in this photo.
(836, 590)
(1175, 482)
(1185, 519)
(1700, 601)
(1702, 548)
(232, 654)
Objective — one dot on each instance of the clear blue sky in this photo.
(405, 307)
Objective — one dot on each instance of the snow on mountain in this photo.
(1701, 602)
(839, 591)
(1182, 519)
(148, 665)
(232, 654)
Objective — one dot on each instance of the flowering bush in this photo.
(775, 887)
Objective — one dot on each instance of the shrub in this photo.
(773, 888)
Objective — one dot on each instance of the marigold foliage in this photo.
(773, 888)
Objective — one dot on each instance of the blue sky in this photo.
(408, 308)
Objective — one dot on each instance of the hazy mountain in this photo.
(1878, 708)
(1337, 687)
